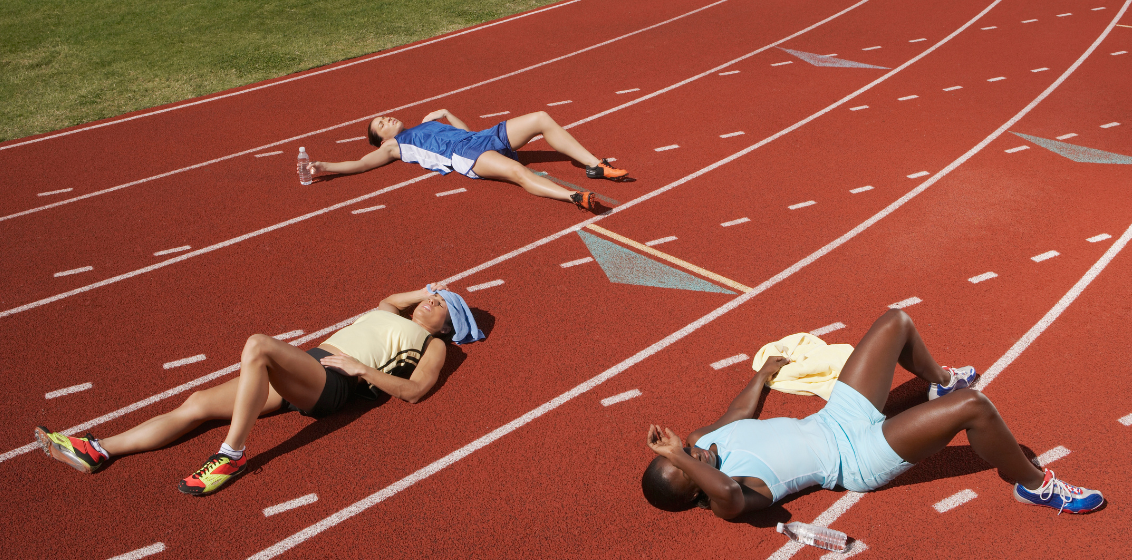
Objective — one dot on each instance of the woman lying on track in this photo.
(486, 154)
(739, 464)
(393, 349)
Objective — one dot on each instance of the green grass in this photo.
(66, 62)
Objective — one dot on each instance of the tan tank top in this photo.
(383, 341)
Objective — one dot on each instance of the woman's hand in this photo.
(352, 367)
(438, 114)
(439, 286)
(664, 442)
(772, 365)
(314, 167)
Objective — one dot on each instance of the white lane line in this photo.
(173, 250)
(609, 159)
(454, 191)
(1030, 21)
(783, 63)
(184, 362)
(858, 108)
(344, 140)
(989, 28)
(1042, 69)
(955, 501)
(661, 240)
(1065, 136)
(1052, 455)
(288, 335)
(74, 271)
(861, 189)
(918, 174)
(495, 114)
(831, 54)
(825, 519)
(1100, 237)
(1018, 149)
(732, 134)
(370, 209)
(68, 390)
(1063, 15)
(905, 303)
(1119, 52)
(870, 49)
(997, 79)
(982, 277)
(49, 193)
(297, 502)
(802, 205)
(621, 397)
(1044, 256)
(854, 548)
(1126, 420)
(485, 285)
(627, 91)
(828, 329)
(1095, 9)
(269, 154)
(726, 362)
(735, 222)
(728, 73)
(665, 148)
(918, 40)
(907, 97)
(556, 103)
(577, 262)
(141, 552)
(952, 88)
(1110, 125)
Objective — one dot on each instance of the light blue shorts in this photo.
(867, 461)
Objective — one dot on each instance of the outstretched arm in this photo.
(443, 113)
(374, 159)
(744, 405)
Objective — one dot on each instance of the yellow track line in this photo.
(670, 258)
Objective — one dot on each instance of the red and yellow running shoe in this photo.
(77, 452)
(604, 171)
(217, 472)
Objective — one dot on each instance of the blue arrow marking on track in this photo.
(822, 60)
(623, 266)
(1078, 153)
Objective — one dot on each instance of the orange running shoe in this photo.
(76, 452)
(604, 171)
(584, 200)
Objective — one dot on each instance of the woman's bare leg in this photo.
(494, 165)
(520, 130)
(891, 340)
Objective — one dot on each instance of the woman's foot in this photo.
(584, 200)
(604, 171)
(218, 471)
(81, 453)
(961, 378)
(1054, 493)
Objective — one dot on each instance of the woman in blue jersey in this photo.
(488, 154)
(739, 464)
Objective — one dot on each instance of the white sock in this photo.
(233, 453)
(94, 443)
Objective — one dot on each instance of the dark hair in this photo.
(372, 136)
(659, 492)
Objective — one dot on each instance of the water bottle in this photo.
(304, 171)
(814, 535)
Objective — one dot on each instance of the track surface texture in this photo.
(514, 455)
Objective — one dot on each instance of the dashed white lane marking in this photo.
(918, 40)
(49, 193)
(73, 271)
(861, 189)
(918, 174)
(997, 79)
(1126, 420)
(727, 362)
(1095, 9)
(454, 191)
(955, 501)
(858, 108)
(577, 262)
(728, 73)
(989, 28)
(297, 502)
(905, 303)
(1043, 69)
(735, 222)
(824, 520)
(665, 148)
(1052, 455)
(141, 552)
(828, 329)
(288, 335)
(952, 88)
(184, 362)
(68, 390)
(173, 250)
(1044, 256)
(354, 139)
(1018, 149)
(907, 97)
(621, 397)
(731, 134)
(628, 91)
(269, 154)
(558, 103)
(1110, 125)
(1063, 15)
(802, 205)
(854, 548)
(870, 48)
(1119, 52)
(1100, 237)
(1029, 21)
(831, 54)
(982, 277)
(783, 63)
(495, 114)
(1064, 136)
(610, 159)
(661, 240)
(485, 285)
(370, 209)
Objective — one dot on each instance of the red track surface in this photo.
(565, 484)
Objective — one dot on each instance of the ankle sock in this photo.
(94, 443)
(235, 454)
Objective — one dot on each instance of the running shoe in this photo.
(1055, 493)
(604, 171)
(961, 378)
(77, 452)
(217, 472)
(584, 200)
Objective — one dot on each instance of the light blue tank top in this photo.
(785, 453)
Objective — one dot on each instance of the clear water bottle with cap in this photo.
(304, 171)
(813, 535)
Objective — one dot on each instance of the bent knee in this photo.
(975, 403)
(897, 317)
(256, 348)
(196, 407)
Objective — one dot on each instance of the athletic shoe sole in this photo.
(52, 449)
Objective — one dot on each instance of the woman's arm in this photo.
(744, 405)
(728, 498)
(397, 303)
(372, 160)
(443, 113)
(410, 390)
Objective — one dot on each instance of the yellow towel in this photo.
(814, 365)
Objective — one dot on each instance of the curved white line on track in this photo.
(141, 552)
(358, 120)
(272, 84)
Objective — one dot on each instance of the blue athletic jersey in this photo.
(444, 148)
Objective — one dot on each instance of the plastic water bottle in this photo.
(304, 171)
(814, 535)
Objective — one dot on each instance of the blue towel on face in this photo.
(461, 316)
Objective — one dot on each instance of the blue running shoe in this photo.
(1057, 494)
(961, 378)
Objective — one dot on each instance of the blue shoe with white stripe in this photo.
(961, 378)
(1054, 493)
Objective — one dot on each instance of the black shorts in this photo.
(337, 391)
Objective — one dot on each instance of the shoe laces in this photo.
(1064, 490)
(211, 464)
